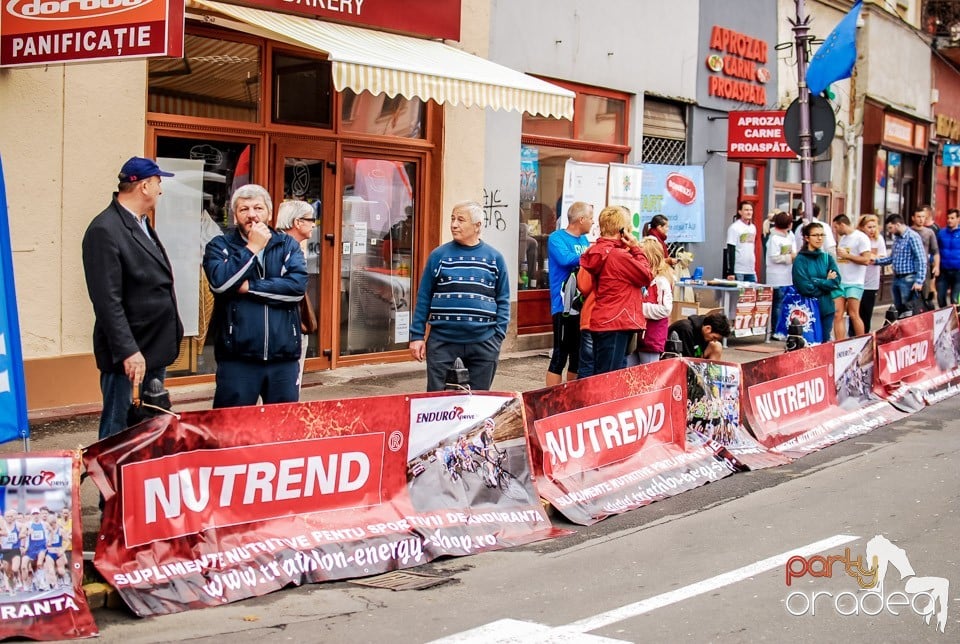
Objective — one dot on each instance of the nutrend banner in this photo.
(918, 359)
(618, 441)
(41, 592)
(801, 401)
(713, 413)
(37, 32)
(227, 504)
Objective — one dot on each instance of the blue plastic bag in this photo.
(804, 309)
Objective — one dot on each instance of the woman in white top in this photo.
(779, 263)
(870, 226)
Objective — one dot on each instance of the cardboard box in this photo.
(683, 309)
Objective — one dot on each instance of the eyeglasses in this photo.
(312, 220)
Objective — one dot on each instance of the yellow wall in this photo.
(66, 131)
(465, 128)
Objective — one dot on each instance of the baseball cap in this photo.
(138, 168)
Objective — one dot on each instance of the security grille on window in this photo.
(664, 133)
(663, 151)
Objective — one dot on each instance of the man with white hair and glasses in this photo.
(298, 219)
(464, 296)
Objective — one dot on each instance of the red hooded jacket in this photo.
(619, 274)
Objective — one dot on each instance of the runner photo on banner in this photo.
(616, 441)
(802, 401)
(713, 413)
(227, 504)
(41, 575)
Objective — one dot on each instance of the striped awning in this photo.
(379, 62)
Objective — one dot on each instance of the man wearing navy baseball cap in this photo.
(137, 330)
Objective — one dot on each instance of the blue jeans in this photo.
(777, 303)
(901, 288)
(117, 393)
(479, 358)
(240, 383)
(949, 280)
(586, 354)
(609, 349)
(746, 277)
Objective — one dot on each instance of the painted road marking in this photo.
(509, 630)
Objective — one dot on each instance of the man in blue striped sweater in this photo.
(464, 296)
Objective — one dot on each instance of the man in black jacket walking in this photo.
(258, 277)
(137, 331)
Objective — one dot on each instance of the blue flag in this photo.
(835, 59)
(13, 393)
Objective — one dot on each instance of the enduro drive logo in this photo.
(925, 596)
(43, 478)
(444, 415)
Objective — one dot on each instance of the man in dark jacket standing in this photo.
(137, 331)
(258, 277)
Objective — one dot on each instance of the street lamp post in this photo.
(801, 27)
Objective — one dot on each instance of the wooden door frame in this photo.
(324, 150)
(759, 214)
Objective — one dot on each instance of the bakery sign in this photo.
(38, 32)
(757, 135)
(737, 65)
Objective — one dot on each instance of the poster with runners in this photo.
(41, 593)
(802, 401)
(617, 441)
(221, 505)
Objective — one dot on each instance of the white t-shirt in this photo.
(743, 237)
(829, 241)
(851, 273)
(779, 258)
(872, 280)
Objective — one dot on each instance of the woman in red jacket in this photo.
(620, 271)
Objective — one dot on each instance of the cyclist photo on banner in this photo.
(476, 458)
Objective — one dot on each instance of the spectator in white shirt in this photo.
(853, 257)
(779, 264)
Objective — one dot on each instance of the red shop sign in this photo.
(757, 135)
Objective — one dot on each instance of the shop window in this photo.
(216, 79)
(367, 113)
(302, 91)
(597, 134)
(602, 118)
(377, 253)
(206, 173)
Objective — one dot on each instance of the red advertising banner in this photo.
(918, 360)
(228, 504)
(713, 412)
(757, 135)
(430, 18)
(802, 401)
(41, 581)
(618, 441)
(36, 32)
